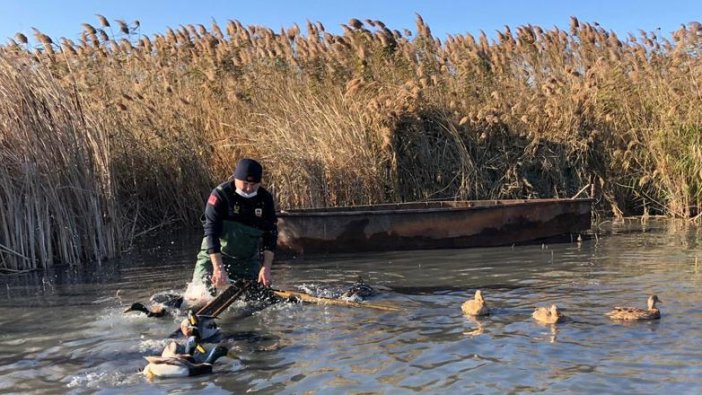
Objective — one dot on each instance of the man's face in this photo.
(245, 186)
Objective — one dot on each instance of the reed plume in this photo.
(367, 116)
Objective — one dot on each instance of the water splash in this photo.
(103, 379)
(196, 294)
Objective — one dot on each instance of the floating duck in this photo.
(548, 315)
(475, 306)
(636, 314)
(182, 365)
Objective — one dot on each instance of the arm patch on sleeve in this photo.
(212, 199)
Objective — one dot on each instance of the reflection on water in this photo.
(64, 330)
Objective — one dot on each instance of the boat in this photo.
(431, 225)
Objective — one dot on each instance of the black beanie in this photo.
(248, 170)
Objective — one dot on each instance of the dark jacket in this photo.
(224, 204)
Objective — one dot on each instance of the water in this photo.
(64, 331)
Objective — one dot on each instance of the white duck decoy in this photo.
(181, 365)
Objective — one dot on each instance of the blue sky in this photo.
(63, 18)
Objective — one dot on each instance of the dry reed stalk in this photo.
(543, 112)
(51, 189)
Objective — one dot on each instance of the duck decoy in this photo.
(182, 365)
(637, 314)
(154, 311)
(548, 315)
(168, 299)
(160, 305)
(361, 289)
(203, 327)
(173, 349)
(475, 306)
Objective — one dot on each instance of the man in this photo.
(239, 223)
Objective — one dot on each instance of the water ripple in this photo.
(64, 330)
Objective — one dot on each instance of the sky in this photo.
(63, 18)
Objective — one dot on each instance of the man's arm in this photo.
(215, 210)
(264, 275)
(219, 274)
(270, 239)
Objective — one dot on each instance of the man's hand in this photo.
(264, 275)
(219, 275)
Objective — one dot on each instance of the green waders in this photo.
(240, 255)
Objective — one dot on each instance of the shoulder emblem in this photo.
(212, 200)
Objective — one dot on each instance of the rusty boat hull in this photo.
(431, 225)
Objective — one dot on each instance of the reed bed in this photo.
(125, 134)
(55, 180)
